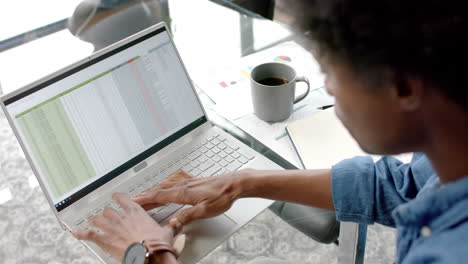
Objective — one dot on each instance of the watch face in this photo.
(135, 254)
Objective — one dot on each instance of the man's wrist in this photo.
(160, 251)
(245, 183)
(165, 257)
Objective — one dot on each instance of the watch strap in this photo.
(155, 246)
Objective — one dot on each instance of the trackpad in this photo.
(205, 235)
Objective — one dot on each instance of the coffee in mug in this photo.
(273, 81)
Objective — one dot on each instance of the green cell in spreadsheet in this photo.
(56, 147)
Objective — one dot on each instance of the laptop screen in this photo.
(99, 119)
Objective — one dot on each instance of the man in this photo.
(393, 67)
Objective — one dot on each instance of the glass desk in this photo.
(208, 36)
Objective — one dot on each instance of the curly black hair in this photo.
(423, 38)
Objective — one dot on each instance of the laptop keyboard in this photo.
(213, 156)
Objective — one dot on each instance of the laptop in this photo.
(122, 120)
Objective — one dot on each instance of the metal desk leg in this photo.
(352, 243)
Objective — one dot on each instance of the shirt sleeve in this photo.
(367, 192)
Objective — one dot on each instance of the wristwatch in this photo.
(141, 252)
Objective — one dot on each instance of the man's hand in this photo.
(209, 196)
(119, 230)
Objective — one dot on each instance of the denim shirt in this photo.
(432, 220)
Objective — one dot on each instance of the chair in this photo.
(316, 223)
(103, 22)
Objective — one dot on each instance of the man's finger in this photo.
(179, 175)
(188, 215)
(107, 222)
(175, 225)
(125, 202)
(161, 196)
(90, 235)
(178, 178)
(111, 213)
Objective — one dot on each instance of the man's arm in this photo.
(358, 189)
(211, 196)
(309, 187)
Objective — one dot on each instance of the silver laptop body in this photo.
(122, 120)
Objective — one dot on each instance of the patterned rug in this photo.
(30, 233)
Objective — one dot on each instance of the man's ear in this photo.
(409, 93)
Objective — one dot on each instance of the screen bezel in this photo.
(93, 59)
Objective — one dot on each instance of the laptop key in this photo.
(243, 159)
(192, 150)
(222, 154)
(187, 168)
(229, 150)
(232, 144)
(246, 154)
(215, 141)
(229, 159)
(166, 212)
(203, 149)
(79, 222)
(147, 178)
(83, 226)
(155, 180)
(222, 145)
(151, 213)
(209, 145)
(115, 205)
(185, 161)
(97, 211)
(209, 154)
(194, 155)
(223, 163)
(178, 164)
(89, 215)
(147, 185)
(194, 163)
(204, 166)
(216, 158)
(139, 186)
(134, 192)
(234, 165)
(195, 172)
(202, 158)
(235, 155)
(172, 169)
(216, 149)
(211, 171)
(163, 173)
(221, 171)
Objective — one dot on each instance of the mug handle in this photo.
(302, 96)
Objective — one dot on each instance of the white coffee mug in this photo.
(273, 87)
